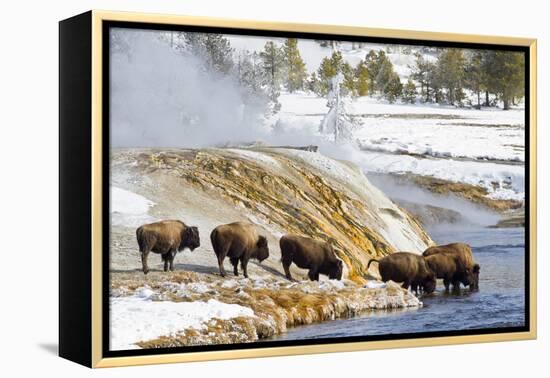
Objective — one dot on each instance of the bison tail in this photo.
(140, 239)
(371, 261)
(213, 238)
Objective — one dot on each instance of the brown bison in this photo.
(306, 253)
(166, 237)
(466, 269)
(240, 242)
(409, 268)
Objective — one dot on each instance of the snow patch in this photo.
(374, 285)
(138, 318)
(129, 209)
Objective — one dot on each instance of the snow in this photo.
(138, 318)
(329, 285)
(459, 133)
(255, 156)
(374, 285)
(478, 147)
(128, 208)
(395, 229)
(502, 181)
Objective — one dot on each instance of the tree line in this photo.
(443, 76)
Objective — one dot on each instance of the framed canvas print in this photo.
(235, 189)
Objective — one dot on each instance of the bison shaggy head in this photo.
(474, 281)
(335, 272)
(190, 239)
(262, 250)
(429, 284)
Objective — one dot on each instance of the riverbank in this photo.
(206, 310)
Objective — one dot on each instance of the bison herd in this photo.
(240, 242)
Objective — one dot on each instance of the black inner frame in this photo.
(106, 25)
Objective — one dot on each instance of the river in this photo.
(499, 303)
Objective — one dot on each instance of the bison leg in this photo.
(235, 263)
(244, 264)
(144, 265)
(220, 265)
(406, 284)
(456, 286)
(286, 267)
(446, 282)
(165, 259)
(313, 275)
(171, 258)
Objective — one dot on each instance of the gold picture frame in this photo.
(93, 24)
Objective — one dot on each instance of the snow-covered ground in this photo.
(129, 209)
(139, 318)
(478, 147)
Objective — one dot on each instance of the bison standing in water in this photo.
(307, 253)
(240, 242)
(408, 268)
(166, 238)
(463, 270)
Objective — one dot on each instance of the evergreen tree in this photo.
(409, 92)
(272, 63)
(253, 82)
(349, 82)
(363, 79)
(328, 69)
(475, 76)
(451, 74)
(296, 73)
(314, 84)
(394, 88)
(213, 48)
(505, 72)
(421, 72)
(383, 78)
(373, 68)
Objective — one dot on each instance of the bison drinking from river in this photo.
(166, 238)
(307, 253)
(240, 242)
(408, 268)
(463, 268)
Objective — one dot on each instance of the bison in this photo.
(307, 253)
(409, 268)
(240, 242)
(467, 271)
(166, 237)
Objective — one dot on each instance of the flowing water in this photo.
(499, 302)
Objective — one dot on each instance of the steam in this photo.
(165, 98)
(400, 189)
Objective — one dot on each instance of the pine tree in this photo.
(313, 84)
(382, 75)
(373, 68)
(213, 48)
(451, 73)
(328, 69)
(505, 72)
(272, 63)
(363, 79)
(475, 77)
(409, 92)
(421, 73)
(296, 73)
(349, 82)
(394, 88)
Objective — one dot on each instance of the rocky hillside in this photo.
(280, 190)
